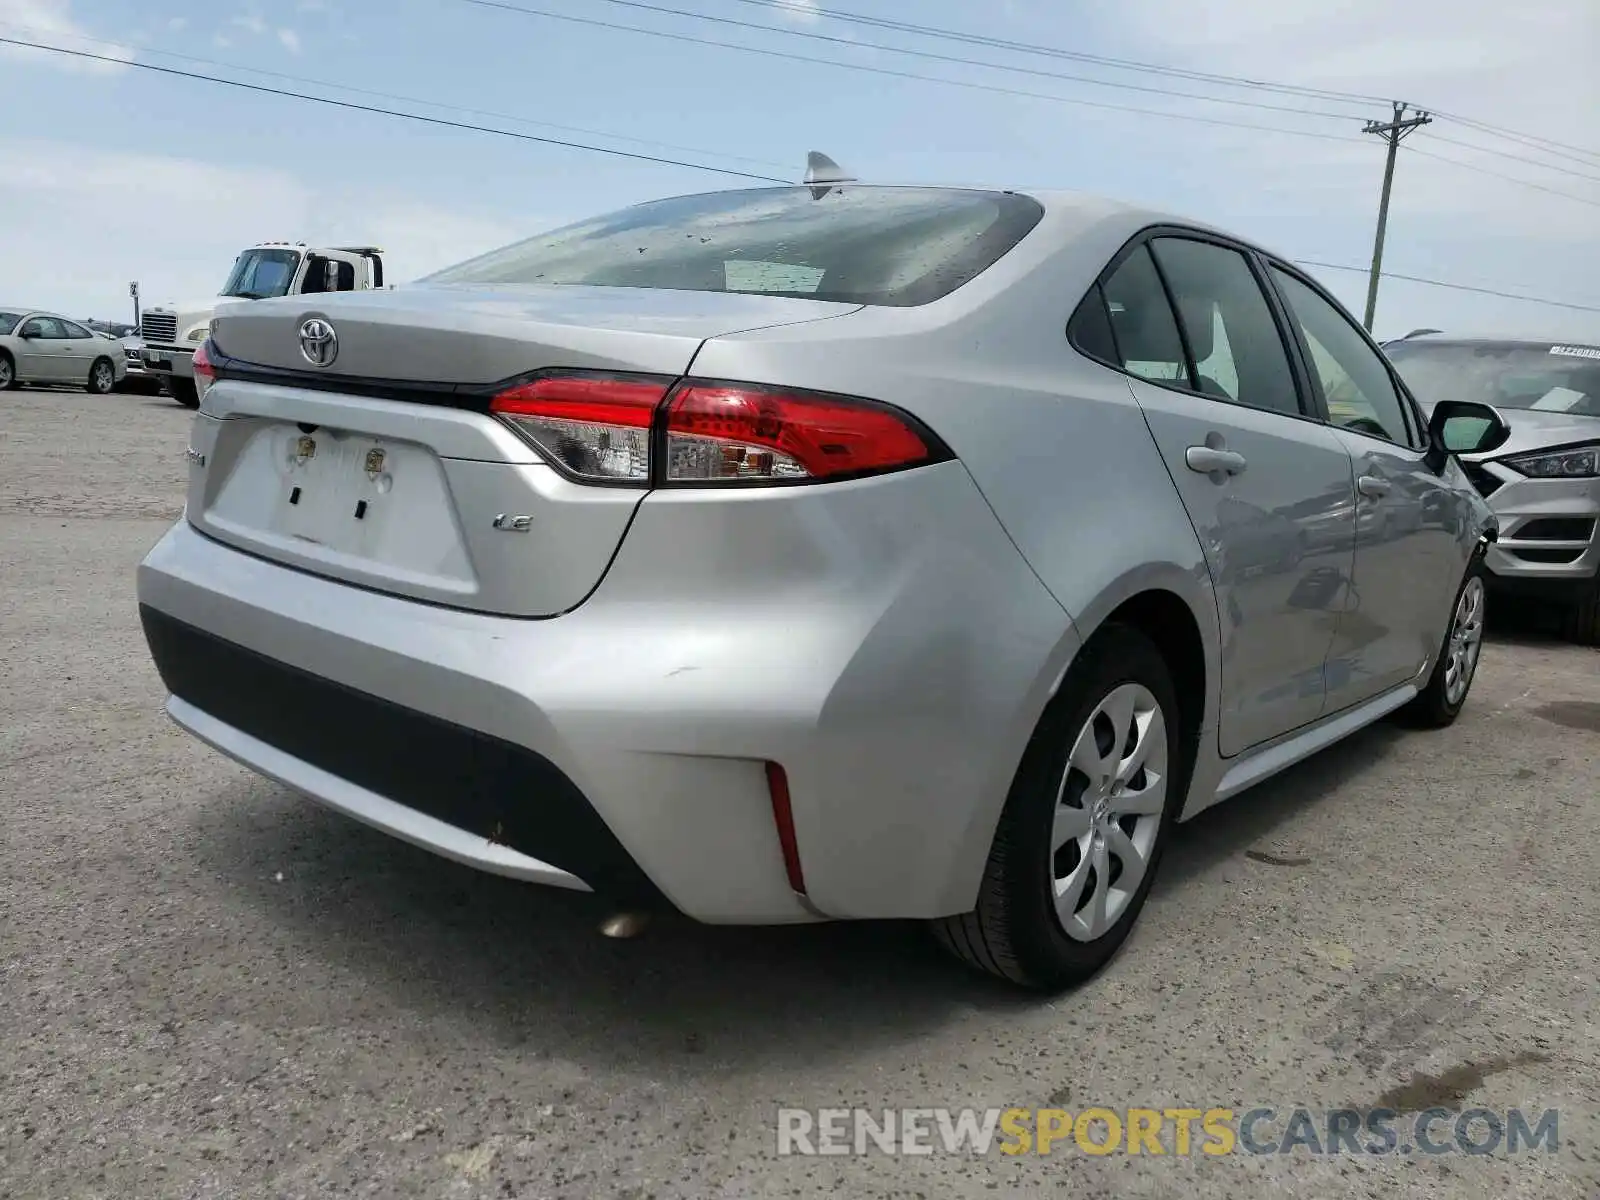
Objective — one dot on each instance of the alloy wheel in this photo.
(104, 378)
(1466, 642)
(1109, 807)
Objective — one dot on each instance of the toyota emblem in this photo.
(318, 342)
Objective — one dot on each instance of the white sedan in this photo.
(40, 347)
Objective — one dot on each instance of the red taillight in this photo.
(204, 373)
(720, 433)
(596, 427)
(783, 817)
(601, 429)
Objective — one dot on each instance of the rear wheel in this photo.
(8, 372)
(102, 377)
(1581, 622)
(183, 391)
(1085, 824)
(1440, 702)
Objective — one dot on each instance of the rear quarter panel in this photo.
(1056, 444)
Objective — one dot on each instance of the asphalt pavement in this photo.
(212, 988)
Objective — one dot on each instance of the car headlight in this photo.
(1577, 462)
(198, 334)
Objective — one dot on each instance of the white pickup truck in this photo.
(173, 332)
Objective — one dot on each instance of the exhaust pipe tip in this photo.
(625, 925)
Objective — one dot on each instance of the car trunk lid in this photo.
(382, 467)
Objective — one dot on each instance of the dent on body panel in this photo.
(931, 714)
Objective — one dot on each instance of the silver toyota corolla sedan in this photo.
(818, 553)
(1544, 482)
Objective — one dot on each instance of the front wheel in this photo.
(183, 391)
(1440, 702)
(102, 377)
(1084, 825)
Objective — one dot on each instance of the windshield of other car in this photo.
(258, 274)
(1513, 375)
(859, 245)
(8, 322)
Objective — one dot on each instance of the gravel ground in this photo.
(209, 987)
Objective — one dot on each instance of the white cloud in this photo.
(804, 12)
(290, 40)
(251, 23)
(178, 24)
(222, 41)
(52, 22)
(49, 187)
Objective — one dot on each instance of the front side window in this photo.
(1234, 340)
(43, 327)
(1355, 383)
(68, 329)
(259, 274)
(862, 245)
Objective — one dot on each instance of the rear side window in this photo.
(8, 321)
(1238, 351)
(1146, 334)
(1090, 329)
(859, 245)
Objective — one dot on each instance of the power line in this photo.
(797, 8)
(390, 112)
(872, 70)
(345, 87)
(974, 39)
(1527, 139)
(972, 62)
(1466, 166)
(1454, 287)
(1534, 162)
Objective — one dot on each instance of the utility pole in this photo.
(133, 290)
(1390, 132)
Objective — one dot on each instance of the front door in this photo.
(1408, 558)
(1268, 489)
(39, 350)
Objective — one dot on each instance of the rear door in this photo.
(1268, 488)
(1409, 556)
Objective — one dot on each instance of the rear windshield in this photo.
(859, 245)
(1545, 377)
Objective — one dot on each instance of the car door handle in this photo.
(1208, 460)
(1373, 487)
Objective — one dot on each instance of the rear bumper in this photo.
(169, 361)
(894, 666)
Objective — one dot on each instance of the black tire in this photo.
(101, 381)
(183, 391)
(8, 372)
(1014, 931)
(1581, 621)
(1433, 707)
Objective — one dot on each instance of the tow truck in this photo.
(173, 332)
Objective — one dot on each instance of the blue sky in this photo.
(110, 173)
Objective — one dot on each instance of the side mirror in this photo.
(1463, 427)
